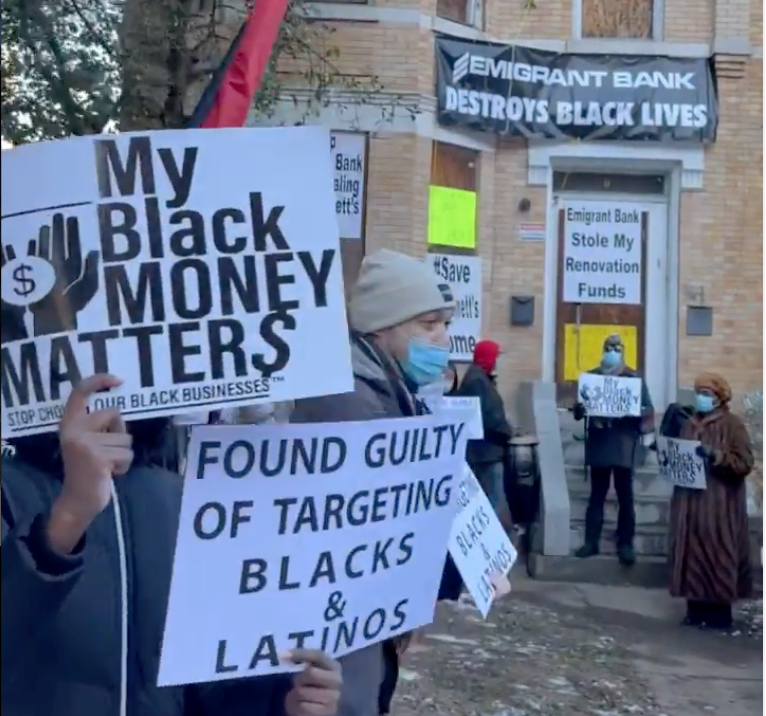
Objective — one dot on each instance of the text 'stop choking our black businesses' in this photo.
(508, 89)
(197, 266)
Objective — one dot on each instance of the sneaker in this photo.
(627, 555)
(587, 550)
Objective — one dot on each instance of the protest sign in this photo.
(195, 265)
(8, 450)
(608, 396)
(327, 536)
(463, 273)
(475, 425)
(349, 152)
(478, 543)
(679, 463)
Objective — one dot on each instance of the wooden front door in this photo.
(602, 283)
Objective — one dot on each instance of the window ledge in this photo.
(623, 46)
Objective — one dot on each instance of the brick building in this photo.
(702, 301)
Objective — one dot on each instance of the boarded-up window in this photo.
(453, 166)
(618, 18)
(457, 10)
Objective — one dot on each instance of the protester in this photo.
(86, 567)
(398, 312)
(709, 536)
(487, 457)
(611, 452)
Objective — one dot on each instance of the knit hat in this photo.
(485, 355)
(393, 288)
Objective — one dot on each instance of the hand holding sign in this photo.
(316, 689)
(94, 447)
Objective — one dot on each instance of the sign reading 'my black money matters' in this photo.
(197, 266)
(532, 93)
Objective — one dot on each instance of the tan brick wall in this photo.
(689, 20)
(721, 228)
(722, 241)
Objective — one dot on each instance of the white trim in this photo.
(545, 158)
(658, 24)
(620, 156)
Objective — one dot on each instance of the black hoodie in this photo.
(63, 617)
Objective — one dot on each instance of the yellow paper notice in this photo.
(583, 347)
(452, 217)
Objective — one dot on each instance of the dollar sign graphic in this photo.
(26, 283)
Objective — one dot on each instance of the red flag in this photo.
(242, 74)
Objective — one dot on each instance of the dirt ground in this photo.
(553, 649)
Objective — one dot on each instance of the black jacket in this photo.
(61, 616)
(497, 429)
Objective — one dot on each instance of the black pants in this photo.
(600, 479)
(715, 616)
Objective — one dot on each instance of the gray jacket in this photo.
(377, 394)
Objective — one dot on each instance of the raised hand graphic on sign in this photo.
(12, 326)
(75, 281)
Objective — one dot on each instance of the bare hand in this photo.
(316, 689)
(94, 447)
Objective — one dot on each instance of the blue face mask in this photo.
(425, 362)
(611, 358)
(704, 403)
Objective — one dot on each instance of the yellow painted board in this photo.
(452, 217)
(584, 345)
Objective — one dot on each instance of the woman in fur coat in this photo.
(709, 536)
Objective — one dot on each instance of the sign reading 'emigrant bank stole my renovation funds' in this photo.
(602, 259)
(520, 91)
(325, 536)
(463, 273)
(195, 265)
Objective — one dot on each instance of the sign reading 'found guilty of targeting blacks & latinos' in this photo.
(327, 536)
(195, 265)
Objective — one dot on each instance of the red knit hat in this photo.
(485, 355)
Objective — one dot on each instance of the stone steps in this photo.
(649, 540)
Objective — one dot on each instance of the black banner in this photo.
(546, 95)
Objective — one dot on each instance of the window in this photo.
(463, 11)
(452, 199)
(629, 19)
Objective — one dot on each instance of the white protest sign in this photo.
(198, 266)
(328, 536)
(8, 450)
(602, 252)
(475, 426)
(679, 463)
(349, 151)
(608, 396)
(463, 273)
(478, 543)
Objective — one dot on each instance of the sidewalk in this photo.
(553, 649)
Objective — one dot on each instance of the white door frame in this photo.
(656, 315)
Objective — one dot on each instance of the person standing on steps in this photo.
(611, 451)
(709, 533)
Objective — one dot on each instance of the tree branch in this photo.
(95, 34)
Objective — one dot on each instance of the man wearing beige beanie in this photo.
(399, 312)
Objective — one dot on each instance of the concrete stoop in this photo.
(649, 572)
